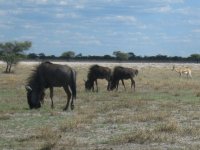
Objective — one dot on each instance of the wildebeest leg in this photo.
(96, 86)
(123, 84)
(132, 83)
(108, 86)
(117, 84)
(72, 103)
(93, 86)
(69, 95)
(42, 97)
(51, 96)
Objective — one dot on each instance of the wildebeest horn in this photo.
(28, 88)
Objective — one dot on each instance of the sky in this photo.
(100, 27)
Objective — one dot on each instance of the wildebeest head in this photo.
(136, 72)
(34, 97)
(112, 84)
(88, 85)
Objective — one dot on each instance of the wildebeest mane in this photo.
(91, 71)
(34, 79)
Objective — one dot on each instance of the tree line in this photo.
(117, 56)
(12, 52)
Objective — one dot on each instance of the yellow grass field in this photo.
(163, 112)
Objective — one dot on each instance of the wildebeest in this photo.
(49, 75)
(121, 73)
(96, 72)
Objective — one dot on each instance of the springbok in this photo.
(183, 70)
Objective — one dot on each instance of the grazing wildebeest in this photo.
(96, 72)
(48, 75)
(121, 73)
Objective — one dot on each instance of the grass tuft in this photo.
(75, 123)
(49, 136)
(4, 117)
(198, 94)
(141, 136)
(169, 126)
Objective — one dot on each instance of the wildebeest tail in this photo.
(73, 83)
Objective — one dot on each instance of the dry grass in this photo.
(4, 117)
(163, 111)
(141, 136)
(49, 136)
(129, 117)
(76, 123)
(171, 126)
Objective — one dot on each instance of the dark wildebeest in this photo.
(97, 72)
(121, 73)
(48, 75)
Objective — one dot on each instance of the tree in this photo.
(195, 57)
(121, 55)
(131, 56)
(107, 57)
(41, 55)
(32, 56)
(12, 52)
(79, 55)
(68, 54)
(160, 57)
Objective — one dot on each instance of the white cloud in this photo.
(196, 30)
(4, 26)
(26, 37)
(118, 18)
(175, 39)
(90, 41)
(86, 39)
(2, 13)
(194, 21)
(32, 26)
(165, 9)
(60, 15)
(184, 11)
(174, 1)
(167, 1)
(39, 1)
(63, 2)
(67, 15)
(161, 9)
(126, 19)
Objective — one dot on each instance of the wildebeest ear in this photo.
(28, 88)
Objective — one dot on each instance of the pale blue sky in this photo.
(99, 27)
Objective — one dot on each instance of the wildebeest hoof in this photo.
(72, 107)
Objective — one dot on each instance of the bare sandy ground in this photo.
(132, 65)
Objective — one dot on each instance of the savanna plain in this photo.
(162, 113)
